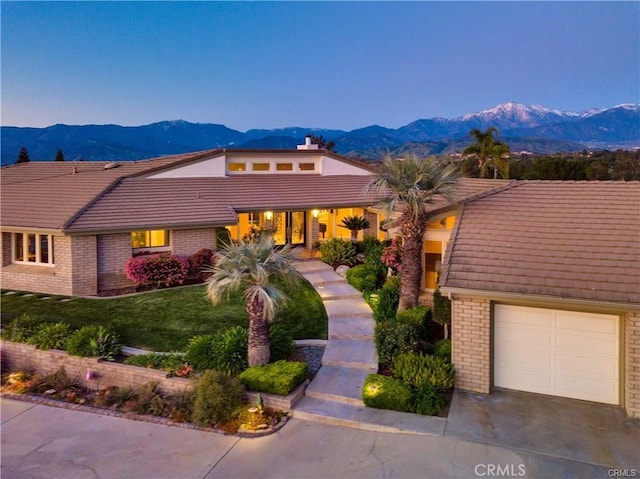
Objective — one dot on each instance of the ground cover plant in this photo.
(165, 320)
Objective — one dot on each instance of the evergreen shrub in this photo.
(280, 377)
(384, 392)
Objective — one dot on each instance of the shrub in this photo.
(217, 397)
(223, 237)
(336, 251)
(50, 336)
(159, 269)
(442, 310)
(58, 380)
(417, 370)
(393, 338)
(148, 399)
(94, 341)
(384, 392)
(442, 349)
(200, 259)
(20, 329)
(280, 377)
(199, 352)
(429, 400)
(390, 256)
(230, 350)
(415, 316)
(166, 362)
(385, 305)
(282, 344)
(363, 277)
(225, 351)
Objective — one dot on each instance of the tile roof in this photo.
(577, 240)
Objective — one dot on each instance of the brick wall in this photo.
(113, 252)
(39, 279)
(19, 356)
(372, 230)
(84, 265)
(632, 364)
(187, 242)
(471, 344)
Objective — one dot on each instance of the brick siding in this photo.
(471, 344)
(113, 252)
(632, 364)
(84, 265)
(187, 242)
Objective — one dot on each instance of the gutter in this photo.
(540, 300)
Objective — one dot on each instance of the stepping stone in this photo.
(342, 290)
(64, 300)
(347, 308)
(338, 384)
(351, 328)
(9, 292)
(323, 277)
(27, 295)
(309, 266)
(45, 297)
(351, 354)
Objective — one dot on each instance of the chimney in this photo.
(307, 144)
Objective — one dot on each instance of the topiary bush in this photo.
(363, 277)
(280, 377)
(442, 349)
(384, 392)
(336, 251)
(94, 341)
(442, 311)
(417, 370)
(160, 269)
(50, 336)
(393, 338)
(429, 400)
(217, 397)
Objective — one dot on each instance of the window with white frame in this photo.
(32, 248)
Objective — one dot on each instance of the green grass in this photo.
(165, 320)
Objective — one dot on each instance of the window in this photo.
(307, 166)
(261, 167)
(149, 239)
(237, 167)
(32, 248)
(284, 166)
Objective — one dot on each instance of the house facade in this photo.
(69, 228)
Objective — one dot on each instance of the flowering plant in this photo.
(167, 269)
(391, 255)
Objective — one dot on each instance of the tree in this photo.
(255, 268)
(489, 152)
(59, 155)
(23, 156)
(322, 143)
(408, 185)
(355, 224)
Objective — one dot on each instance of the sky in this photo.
(341, 65)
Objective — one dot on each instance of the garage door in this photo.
(561, 353)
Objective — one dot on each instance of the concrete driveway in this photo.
(563, 428)
(43, 442)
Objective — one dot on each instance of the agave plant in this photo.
(355, 224)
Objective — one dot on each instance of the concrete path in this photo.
(50, 443)
(334, 396)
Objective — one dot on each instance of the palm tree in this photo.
(489, 152)
(355, 224)
(253, 267)
(409, 185)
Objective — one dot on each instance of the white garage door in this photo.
(561, 353)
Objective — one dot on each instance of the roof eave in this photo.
(538, 299)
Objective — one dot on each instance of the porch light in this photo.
(315, 213)
(268, 215)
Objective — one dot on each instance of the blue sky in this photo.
(314, 64)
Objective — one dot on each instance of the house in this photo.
(69, 228)
(544, 279)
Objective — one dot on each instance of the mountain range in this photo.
(533, 129)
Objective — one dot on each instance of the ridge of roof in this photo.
(180, 159)
(483, 194)
(92, 202)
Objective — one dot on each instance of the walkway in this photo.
(334, 396)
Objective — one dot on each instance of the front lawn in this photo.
(165, 320)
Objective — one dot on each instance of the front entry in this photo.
(289, 227)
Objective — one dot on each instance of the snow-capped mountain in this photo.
(542, 129)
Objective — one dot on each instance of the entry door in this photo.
(560, 353)
(296, 227)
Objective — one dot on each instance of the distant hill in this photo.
(533, 129)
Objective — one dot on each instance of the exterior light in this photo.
(268, 215)
(315, 213)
